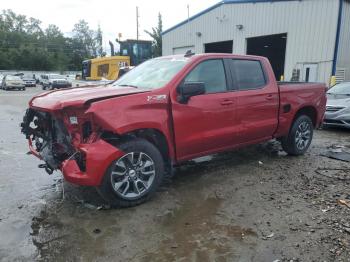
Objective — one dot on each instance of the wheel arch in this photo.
(309, 111)
(152, 135)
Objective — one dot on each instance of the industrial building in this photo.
(305, 40)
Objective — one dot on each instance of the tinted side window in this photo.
(102, 70)
(211, 73)
(249, 74)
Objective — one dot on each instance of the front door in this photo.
(206, 122)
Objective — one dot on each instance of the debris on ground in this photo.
(336, 173)
(338, 152)
(344, 202)
(342, 156)
(97, 231)
(268, 236)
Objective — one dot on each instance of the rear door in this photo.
(257, 100)
(206, 122)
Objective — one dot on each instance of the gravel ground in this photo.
(255, 204)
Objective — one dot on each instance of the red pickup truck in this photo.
(124, 137)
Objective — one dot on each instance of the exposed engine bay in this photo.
(49, 137)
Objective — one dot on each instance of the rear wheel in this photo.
(134, 177)
(300, 136)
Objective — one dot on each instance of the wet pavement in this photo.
(255, 204)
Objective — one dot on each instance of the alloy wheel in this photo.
(303, 135)
(133, 175)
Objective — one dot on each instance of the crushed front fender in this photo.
(98, 157)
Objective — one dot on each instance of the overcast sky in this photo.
(114, 16)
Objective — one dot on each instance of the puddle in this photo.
(196, 235)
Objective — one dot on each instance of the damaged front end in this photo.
(48, 138)
(68, 141)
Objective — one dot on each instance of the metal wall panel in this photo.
(310, 24)
(343, 60)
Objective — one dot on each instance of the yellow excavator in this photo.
(132, 53)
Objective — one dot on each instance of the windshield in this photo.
(152, 74)
(340, 89)
(13, 78)
(56, 77)
(28, 77)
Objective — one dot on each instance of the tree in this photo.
(156, 35)
(99, 41)
(85, 38)
(33, 27)
(52, 31)
(25, 45)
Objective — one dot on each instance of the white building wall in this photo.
(310, 24)
(343, 60)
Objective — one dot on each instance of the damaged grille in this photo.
(49, 137)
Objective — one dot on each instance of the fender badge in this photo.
(156, 98)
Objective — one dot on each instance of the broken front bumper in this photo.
(98, 157)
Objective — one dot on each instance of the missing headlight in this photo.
(87, 130)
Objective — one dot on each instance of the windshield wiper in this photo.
(129, 85)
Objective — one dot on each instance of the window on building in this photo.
(249, 74)
(211, 73)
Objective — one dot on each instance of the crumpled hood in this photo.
(77, 97)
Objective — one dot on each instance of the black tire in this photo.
(43, 87)
(296, 134)
(115, 199)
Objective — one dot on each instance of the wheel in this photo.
(43, 87)
(50, 87)
(300, 136)
(24, 89)
(134, 177)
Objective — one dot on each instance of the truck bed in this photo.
(294, 95)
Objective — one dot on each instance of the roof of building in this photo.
(223, 2)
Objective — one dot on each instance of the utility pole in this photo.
(188, 13)
(137, 23)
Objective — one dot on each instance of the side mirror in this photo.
(189, 89)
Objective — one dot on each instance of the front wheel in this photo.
(300, 136)
(134, 177)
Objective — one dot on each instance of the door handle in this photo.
(226, 102)
(269, 97)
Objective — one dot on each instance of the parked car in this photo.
(41, 79)
(125, 137)
(52, 81)
(29, 80)
(338, 106)
(12, 82)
